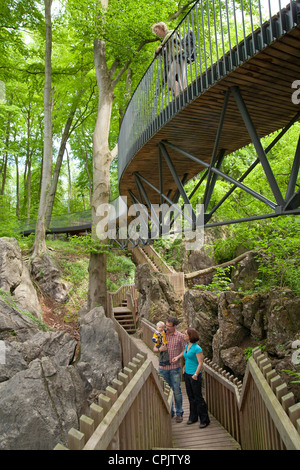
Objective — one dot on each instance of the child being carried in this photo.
(159, 338)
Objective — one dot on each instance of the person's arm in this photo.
(200, 365)
(176, 358)
(162, 347)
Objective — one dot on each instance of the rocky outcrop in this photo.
(48, 277)
(43, 392)
(39, 405)
(157, 299)
(230, 322)
(100, 356)
(202, 314)
(15, 278)
(245, 273)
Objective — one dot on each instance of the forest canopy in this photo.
(125, 26)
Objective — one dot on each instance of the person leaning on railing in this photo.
(174, 61)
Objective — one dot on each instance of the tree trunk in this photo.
(101, 165)
(87, 167)
(17, 186)
(211, 269)
(39, 242)
(6, 156)
(69, 182)
(57, 168)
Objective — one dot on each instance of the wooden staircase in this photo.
(124, 316)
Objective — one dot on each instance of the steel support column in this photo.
(257, 144)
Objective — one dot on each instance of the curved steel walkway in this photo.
(241, 87)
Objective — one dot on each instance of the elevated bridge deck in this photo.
(243, 85)
(232, 99)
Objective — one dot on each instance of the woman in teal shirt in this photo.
(193, 356)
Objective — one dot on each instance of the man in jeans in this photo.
(172, 373)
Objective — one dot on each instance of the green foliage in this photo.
(293, 374)
(276, 243)
(171, 250)
(118, 264)
(220, 281)
(248, 351)
(10, 301)
(88, 244)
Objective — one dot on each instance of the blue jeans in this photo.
(173, 378)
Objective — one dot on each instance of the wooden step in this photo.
(121, 310)
(123, 315)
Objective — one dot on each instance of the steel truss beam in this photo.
(281, 205)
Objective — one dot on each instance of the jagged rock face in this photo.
(41, 395)
(42, 391)
(48, 277)
(100, 356)
(157, 299)
(245, 273)
(15, 277)
(228, 323)
(39, 405)
(202, 314)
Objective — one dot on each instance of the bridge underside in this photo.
(252, 101)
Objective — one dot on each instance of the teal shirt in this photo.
(191, 361)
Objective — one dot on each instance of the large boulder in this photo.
(48, 277)
(57, 345)
(231, 331)
(197, 260)
(15, 326)
(245, 273)
(39, 405)
(15, 278)
(231, 322)
(100, 355)
(282, 321)
(234, 359)
(157, 299)
(41, 395)
(201, 310)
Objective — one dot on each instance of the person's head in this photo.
(171, 324)
(160, 326)
(160, 29)
(191, 335)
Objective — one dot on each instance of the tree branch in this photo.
(181, 10)
(214, 268)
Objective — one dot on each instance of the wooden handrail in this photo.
(274, 420)
(116, 422)
(276, 416)
(120, 294)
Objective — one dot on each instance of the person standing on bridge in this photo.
(193, 356)
(173, 58)
(172, 373)
(159, 338)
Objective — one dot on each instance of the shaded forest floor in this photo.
(73, 265)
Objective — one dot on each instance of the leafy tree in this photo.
(119, 31)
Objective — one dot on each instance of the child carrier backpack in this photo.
(188, 44)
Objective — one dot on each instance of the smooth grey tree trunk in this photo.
(39, 246)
